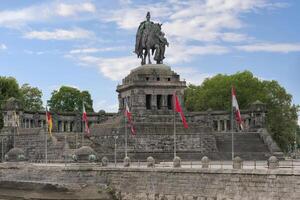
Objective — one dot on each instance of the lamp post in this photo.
(115, 138)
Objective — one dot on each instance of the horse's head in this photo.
(157, 27)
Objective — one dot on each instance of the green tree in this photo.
(215, 93)
(9, 87)
(69, 99)
(31, 98)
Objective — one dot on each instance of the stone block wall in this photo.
(157, 145)
(167, 184)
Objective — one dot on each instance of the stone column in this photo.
(225, 125)
(219, 125)
(62, 126)
(164, 103)
(153, 102)
(68, 126)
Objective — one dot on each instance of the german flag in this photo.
(49, 121)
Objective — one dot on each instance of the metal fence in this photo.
(284, 165)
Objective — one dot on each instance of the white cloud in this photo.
(271, 47)
(129, 17)
(234, 37)
(3, 47)
(43, 12)
(59, 34)
(73, 9)
(193, 27)
(112, 68)
(184, 53)
(96, 50)
(116, 68)
(193, 19)
(125, 2)
(192, 75)
(107, 106)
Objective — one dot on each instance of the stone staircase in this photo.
(32, 141)
(248, 146)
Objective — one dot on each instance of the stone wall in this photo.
(167, 184)
(160, 145)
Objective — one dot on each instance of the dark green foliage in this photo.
(69, 99)
(31, 98)
(9, 87)
(215, 93)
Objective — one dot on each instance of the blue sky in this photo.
(88, 44)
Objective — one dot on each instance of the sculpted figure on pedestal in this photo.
(149, 37)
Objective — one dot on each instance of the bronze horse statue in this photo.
(150, 41)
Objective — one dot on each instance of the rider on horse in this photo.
(149, 37)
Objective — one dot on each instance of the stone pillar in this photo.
(62, 126)
(164, 102)
(205, 162)
(237, 163)
(68, 126)
(150, 162)
(219, 125)
(153, 102)
(225, 125)
(127, 162)
(104, 161)
(273, 162)
(177, 162)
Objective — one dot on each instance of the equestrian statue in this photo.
(149, 37)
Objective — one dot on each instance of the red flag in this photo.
(128, 115)
(85, 119)
(179, 110)
(236, 108)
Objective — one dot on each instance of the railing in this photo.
(284, 165)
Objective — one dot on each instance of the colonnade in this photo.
(224, 125)
(61, 126)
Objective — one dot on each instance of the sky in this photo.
(88, 44)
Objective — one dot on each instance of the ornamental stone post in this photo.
(176, 162)
(127, 162)
(205, 162)
(104, 161)
(237, 163)
(150, 162)
(273, 162)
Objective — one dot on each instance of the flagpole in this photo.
(232, 137)
(76, 138)
(174, 125)
(82, 132)
(82, 125)
(125, 136)
(14, 128)
(46, 138)
(232, 123)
